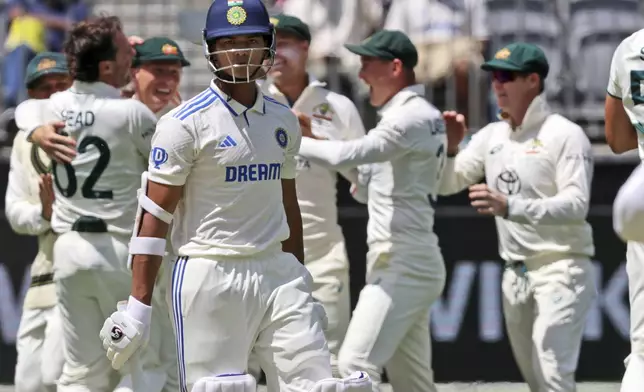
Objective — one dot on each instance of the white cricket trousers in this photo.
(87, 297)
(40, 350)
(545, 312)
(390, 324)
(634, 376)
(330, 275)
(225, 308)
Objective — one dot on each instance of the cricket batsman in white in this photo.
(28, 207)
(537, 169)
(404, 155)
(225, 160)
(624, 114)
(95, 194)
(325, 255)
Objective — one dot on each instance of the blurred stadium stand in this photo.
(579, 37)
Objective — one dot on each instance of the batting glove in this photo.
(125, 331)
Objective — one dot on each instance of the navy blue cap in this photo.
(227, 18)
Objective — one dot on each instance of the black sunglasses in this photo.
(503, 76)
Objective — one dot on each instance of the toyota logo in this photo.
(508, 182)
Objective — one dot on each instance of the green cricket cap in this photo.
(519, 57)
(158, 49)
(45, 63)
(387, 45)
(291, 25)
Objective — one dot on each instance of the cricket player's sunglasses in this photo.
(503, 76)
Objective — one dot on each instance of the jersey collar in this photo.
(96, 88)
(272, 89)
(536, 114)
(236, 108)
(401, 97)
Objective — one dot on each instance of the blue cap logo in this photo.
(159, 156)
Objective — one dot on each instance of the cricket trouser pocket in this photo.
(516, 283)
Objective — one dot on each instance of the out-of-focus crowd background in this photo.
(452, 36)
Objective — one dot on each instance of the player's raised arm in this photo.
(387, 141)
(295, 242)
(171, 158)
(618, 128)
(466, 167)
(573, 176)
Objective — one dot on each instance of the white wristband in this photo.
(147, 246)
(139, 311)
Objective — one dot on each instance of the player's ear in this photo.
(106, 68)
(534, 80)
(397, 67)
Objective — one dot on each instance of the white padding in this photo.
(357, 382)
(226, 383)
(153, 208)
(147, 246)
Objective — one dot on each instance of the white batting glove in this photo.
(125, 331)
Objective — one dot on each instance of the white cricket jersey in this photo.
(113, 142)
(316, 184)
(230, 159)
(23, 207)
(545, 168)
(626, 81)
(406, 152)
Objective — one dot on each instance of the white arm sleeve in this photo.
(294, 133)
(467, 168)
(574, 174)
(29, 114)
(628, 208)
(174, 150)
(23, 214)
(613, 87)
(383, 143)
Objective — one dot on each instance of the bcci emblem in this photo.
(159, 156)
(236, 15)
(281, 137)
(116, 334)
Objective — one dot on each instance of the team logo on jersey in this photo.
(281, 137)
(535, 147)
(502, 54)
(496, 149)
(159, 156)
(508, 182)
(116, 334)
(236, 15)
